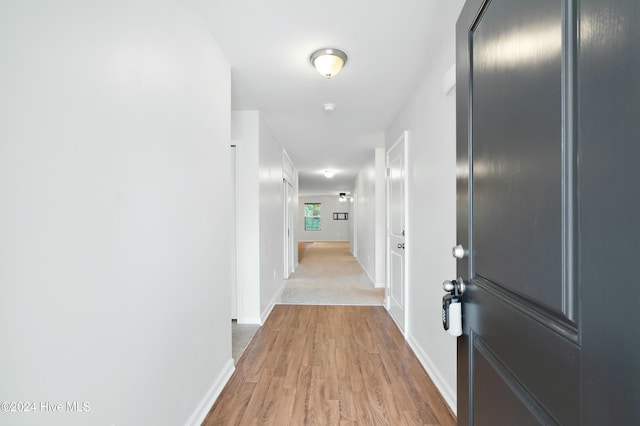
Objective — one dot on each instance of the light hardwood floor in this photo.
(329, 365)
(303, 248)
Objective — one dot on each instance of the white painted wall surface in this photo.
(245, 132)
(114, 164)
(233, 177)
(271, 201)
(296, 222)
(429, 115)
(380, 219)
(366, 220)
(331, 230)
(260, 216)
(353, 219)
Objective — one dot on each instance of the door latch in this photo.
(452, 306)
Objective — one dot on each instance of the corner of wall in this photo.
(448, 394)
(214, 392)
(274, 301)
(380, 217)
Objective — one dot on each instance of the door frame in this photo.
(354, 224)
(403, 138)
(288, 231)
(234, 243)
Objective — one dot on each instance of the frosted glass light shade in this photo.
(328, 62)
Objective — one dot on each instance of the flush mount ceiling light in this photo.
(328, 62)
(329, 173)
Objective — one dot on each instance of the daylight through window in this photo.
(312, 216)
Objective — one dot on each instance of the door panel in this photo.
(397, 276)
(544, 360)
(517, 146)
(396, 192)
(489, 385)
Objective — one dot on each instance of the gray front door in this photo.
(535, 332)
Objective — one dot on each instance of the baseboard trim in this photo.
(448, 394)
(365, 271)
(212, 395)
(324, 241)
(380, 285)
(249, 320)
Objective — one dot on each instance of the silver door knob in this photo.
(459, 252)
(457, 285)
(448, 286)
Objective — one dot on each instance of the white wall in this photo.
(331, 230)
(271, 220)
(353, 246)
(370, 217)
(260, 216)
(114, 162)
(366, 217)
(429, 115)
(245, 133)
(380, 162)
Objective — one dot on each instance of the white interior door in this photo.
(396, 235)
(289, 250)
(354, 223)
(292, 229)
(234, 211)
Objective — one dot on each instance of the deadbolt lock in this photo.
(459, 252)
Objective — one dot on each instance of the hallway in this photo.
(336, 365)
(329, 275)
(118, 249)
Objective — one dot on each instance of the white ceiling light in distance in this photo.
(329, 173)
(328, 107)
(328, 62)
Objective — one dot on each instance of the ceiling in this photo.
(268, 44)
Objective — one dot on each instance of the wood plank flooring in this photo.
(329, 365)
(303, 248)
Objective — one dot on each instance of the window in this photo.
(312, 216)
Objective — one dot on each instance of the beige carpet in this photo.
(329, 275)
